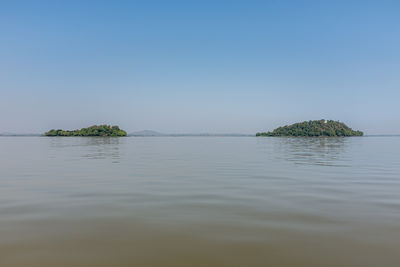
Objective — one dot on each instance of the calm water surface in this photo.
(199, 201)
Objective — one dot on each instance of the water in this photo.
(199, 201)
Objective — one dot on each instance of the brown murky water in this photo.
(199, 201)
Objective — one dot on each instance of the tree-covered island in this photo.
(95, 130)
(314, 128)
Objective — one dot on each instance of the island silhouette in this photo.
(95, 130)
(314, 128)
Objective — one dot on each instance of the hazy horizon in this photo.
(179, 67)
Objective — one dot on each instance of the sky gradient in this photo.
(204, 66)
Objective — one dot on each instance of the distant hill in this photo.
(149, 133)
(314, 128)
(19, 134)
(146, 133)
(211, 134)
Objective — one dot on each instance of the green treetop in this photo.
(314, 128)
(96, 130)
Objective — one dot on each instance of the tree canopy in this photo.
(314, 128)
(95, 130)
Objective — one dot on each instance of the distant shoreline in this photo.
(195, 135)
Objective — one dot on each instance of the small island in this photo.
(314, 128)
(95, 130)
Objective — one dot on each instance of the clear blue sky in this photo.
(199, 66)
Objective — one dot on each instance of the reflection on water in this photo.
(193, 201)
(318, 151)
(95, 147)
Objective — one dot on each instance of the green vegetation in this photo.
(101, 130)
(314, 128)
